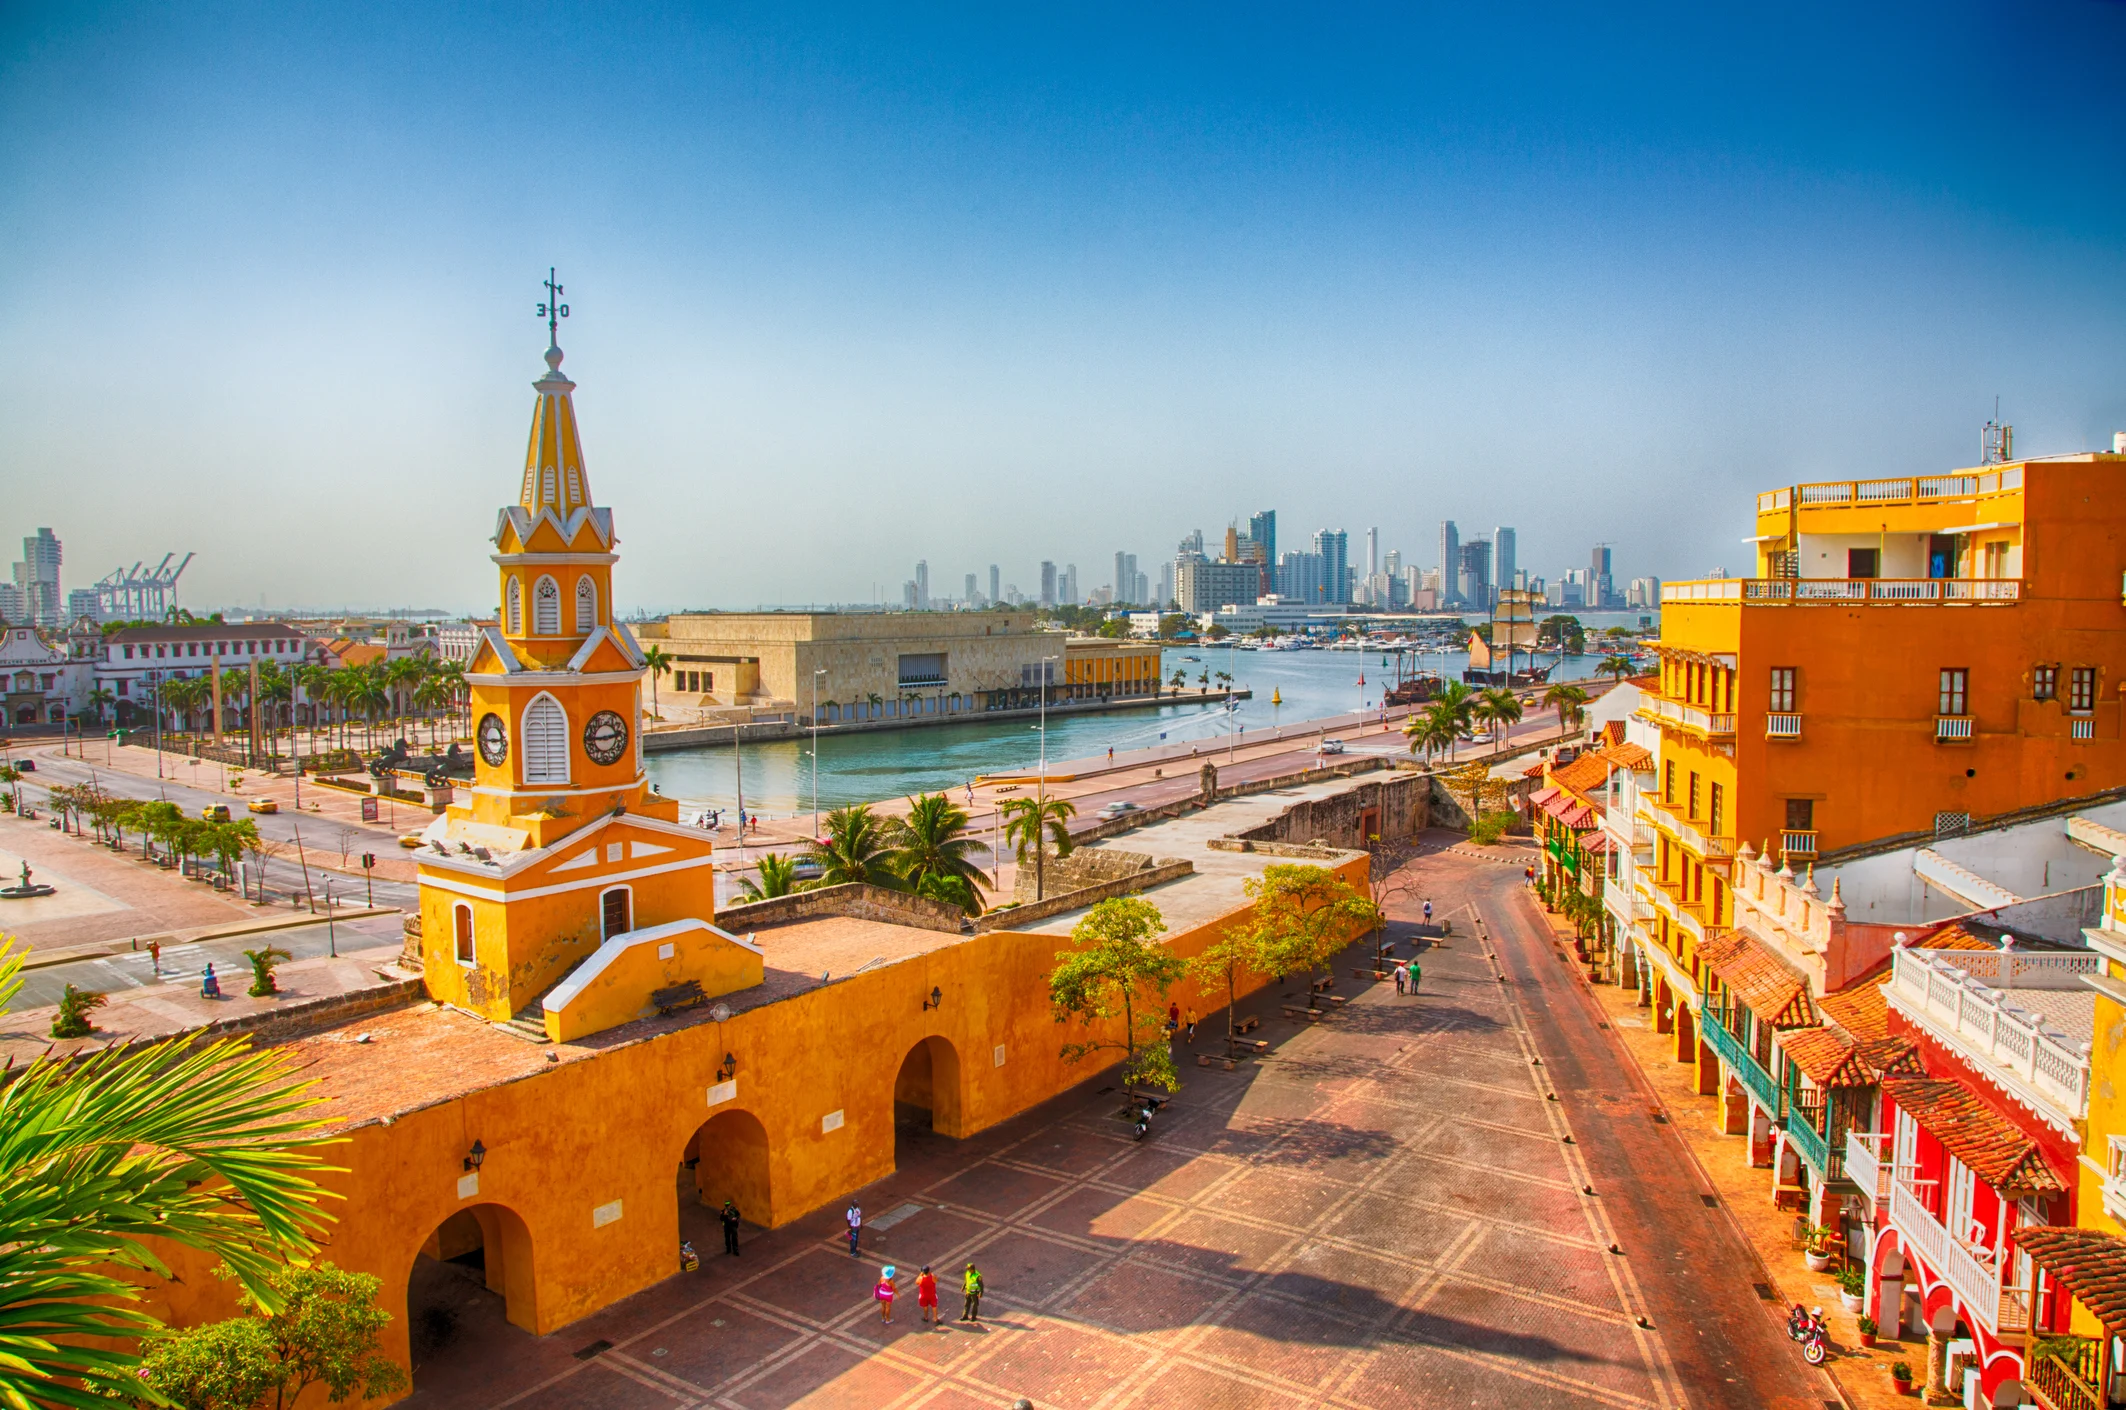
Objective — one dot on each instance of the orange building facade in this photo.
(1911, 655)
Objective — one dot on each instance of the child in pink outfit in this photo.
(884, 1293)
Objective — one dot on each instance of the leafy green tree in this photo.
(932, 851)
(1568, 700)
(262, 966)
(103, 1157)
(1302, 915)
(1030, 824)
(1171, 624)
(1119, 968)
(322, 1330)
(1499, 708)
(75, 1006)
(858, 846)
(778, 877)
(1234, 953)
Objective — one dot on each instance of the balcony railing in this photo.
(1984, 1025)
(1796, 843)
(1949, 728)
(2059, 1385)
(2026, 969)
(1845, 591)
(1740, 1060)
(1690, 717)
(1865, 1167)
(2085, 729)
(1924, 489)
(1784, 726)
(1974, 1277)
(1809, 1143)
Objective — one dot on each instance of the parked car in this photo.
(215, 812)
(805, 869)
(263, 805)
(1117, 808)
(1332, 746)
(28, 766)
(410, 840)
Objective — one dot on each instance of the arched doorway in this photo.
(926, 1096)
(725, 1159)
(472, 1277)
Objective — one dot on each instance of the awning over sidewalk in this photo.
(2088, 1264)
(1760, 980)
(1995, 1149)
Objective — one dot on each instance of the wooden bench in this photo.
(1321, 984)
(1369, 974)
(1256, 1046)
(1337, 999)
(1206, 1060)
(1306, 1015)
(1249, 1024)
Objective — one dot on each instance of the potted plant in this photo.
(1901, 1377)
(1815, 1251)
(1867, 1330)
(1852, 1286)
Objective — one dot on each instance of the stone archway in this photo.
(927, 1090)
(473, 1274)
(725, 1159)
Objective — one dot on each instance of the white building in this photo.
(46, 678)
(134, 656)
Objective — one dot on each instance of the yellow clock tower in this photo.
(564, 882)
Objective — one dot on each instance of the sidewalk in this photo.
(1863, 1376)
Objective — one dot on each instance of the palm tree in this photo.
(1459, 702)
(1567, 700)
(857, 848)
(400, 678)
(102, 700)
(452, 676)
(659, 661)
(931, 848)
(435, 693)
(1429, 730)
(1618, 666)
(1499, 708)
(1180, 679)
(1033, 822)
(104, 1156)
(778, 877)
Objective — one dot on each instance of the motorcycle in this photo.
(1808, 1328)
(1144, 1120)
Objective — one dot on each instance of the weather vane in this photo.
(553, 310)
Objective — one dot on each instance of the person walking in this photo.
(1110, 753)
(1416, 973)
(884, 1293)
(1402, 980)
(155, 956)
(855, 1217)
(971, 1295)
(926, 1297)
(1428, 913)
(729, 1216)
(1173, 1019)
(1190, 1024)
(209, 986)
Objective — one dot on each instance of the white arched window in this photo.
(545, 742)
(546, 608)
(586, 604)
(546, 485)
(516, 607)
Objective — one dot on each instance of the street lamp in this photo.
(815, 749)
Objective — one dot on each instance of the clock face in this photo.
(494, 740)
(605, 737)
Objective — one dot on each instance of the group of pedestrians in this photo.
(926, 1283)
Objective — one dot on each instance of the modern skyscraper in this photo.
(1450, 562)
(1600, 591)
(1166, 585)
(1067, 586)
(970, 590)
(1334, 546)
(1473, 578)
(1299, 578)
(1372, 553)
(922, 584)
(1140, 589)
(37, 579)
(1048, 583)
(1262, 528)
(1126, 576)
(993, 584)
(1503, 558)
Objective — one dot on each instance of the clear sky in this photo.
(853, 287)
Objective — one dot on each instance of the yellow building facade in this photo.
(1911, 655)
(561, 849)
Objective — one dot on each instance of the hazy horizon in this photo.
(851, 288)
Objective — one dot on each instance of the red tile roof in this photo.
(1994, 1148)
(1583, 775)
(1631, 756)
(1760, 979)
(2089, 1264)
(1860, 1009)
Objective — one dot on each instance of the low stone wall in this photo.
(1083, 868)
(853, 899)
(1279, 849)
(1012, 918)
(1401, 805)
(305, 1016)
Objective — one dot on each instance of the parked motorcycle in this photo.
(1808, 1327)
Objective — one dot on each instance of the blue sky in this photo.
(854, 287)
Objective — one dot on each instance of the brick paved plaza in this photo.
(1383, 1213)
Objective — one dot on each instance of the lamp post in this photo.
(1041, 785)
(815, 749)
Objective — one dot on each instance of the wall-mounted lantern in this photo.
(727, 1069)
(936, 999)
(476, 1157)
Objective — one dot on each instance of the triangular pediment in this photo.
(492, 655)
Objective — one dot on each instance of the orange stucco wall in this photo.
(588, 1134)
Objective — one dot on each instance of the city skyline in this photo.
(1557, 281)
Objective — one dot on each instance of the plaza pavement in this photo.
(1384, 1213)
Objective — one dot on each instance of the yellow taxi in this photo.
(263, 805)
(215, 812)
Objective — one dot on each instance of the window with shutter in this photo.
(545, 742)
(586, 604)
(516, 608)
(546, 608)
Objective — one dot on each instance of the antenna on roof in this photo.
(1996, 443)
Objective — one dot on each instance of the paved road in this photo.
(284, 876)
(1689, 1261)
(184, 964)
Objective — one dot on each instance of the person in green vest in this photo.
(971, 1289)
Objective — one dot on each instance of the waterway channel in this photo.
(867, 767)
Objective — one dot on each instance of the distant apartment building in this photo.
(1067, 585)
(994, 596)
(1128, 579)
(1601, 591)
(1206, 587)
(1048, 583)
(37, 583)
(1166, 584)
(1643, 592)
(1504, 558)
(1472, 582)
(1450, 562)
(922, 584)
(1334, 547)
(1300, 578)
(1262, 529)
